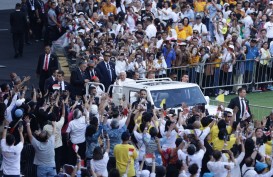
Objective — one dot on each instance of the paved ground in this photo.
(22, 66)
(8, 4)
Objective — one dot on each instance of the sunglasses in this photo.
(195, 32)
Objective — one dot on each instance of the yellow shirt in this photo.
(106, 9)
(218, 62)
(188, 30)
(219, 144)
(194, 59)
(232, 2)
(268, 148)
(138, 121)
(199, 6)
(181, 34)
(215, 131)
(122, 153)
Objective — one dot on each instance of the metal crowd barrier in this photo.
(249, 73)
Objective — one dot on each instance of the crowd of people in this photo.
(60, 129)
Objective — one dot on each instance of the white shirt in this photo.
(167, 15)
(8, 115)
(248, 22)
(174, 16)
(100, 166)
(195, 158)
(170, 141)
(236, 171)
(162, 64)
(227, 58)
(218, 168)
(58, 132)
(240, 100)
(120, 66)
(140, 144)
(151, 31)
(250, 173)
(269, 28)
(201, 28)
(11, 158)
(77, 128)
(48, 57)
(141, 68)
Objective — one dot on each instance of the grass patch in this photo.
(261, 103)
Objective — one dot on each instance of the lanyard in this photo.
(31, 2)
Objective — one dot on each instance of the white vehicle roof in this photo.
(159, 85)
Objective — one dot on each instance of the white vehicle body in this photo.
(175, 93)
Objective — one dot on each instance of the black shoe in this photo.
(16, 55)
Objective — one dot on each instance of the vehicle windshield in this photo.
(175, 97)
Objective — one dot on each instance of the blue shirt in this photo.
(253, 52)
(169, 56)
(212, 10)
(114, 136)
(92, 142)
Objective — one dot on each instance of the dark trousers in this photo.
(18, 42)
(111, 163)
(52, 34)
(82, 149)
(261, 74)
(58, 152)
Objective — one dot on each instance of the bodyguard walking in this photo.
(18, 23)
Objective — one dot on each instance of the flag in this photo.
(131, 151)
(220, 98)
(162, 102)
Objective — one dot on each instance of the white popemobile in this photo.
(175, 93)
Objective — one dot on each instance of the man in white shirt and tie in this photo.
(64, 86)
(242, 104)
(91, 71)
(47, 62)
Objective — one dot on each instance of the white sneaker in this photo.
(226, 92)
(221, 91)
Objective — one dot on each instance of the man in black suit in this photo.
(47, 62)
(142, 100)
(18, 23)
(49, 81)
(242, 104)
(106, 71)
(78, 79)
(64, 86)
(91, 70)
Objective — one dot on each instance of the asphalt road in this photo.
(23, 66)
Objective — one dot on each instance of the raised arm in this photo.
(6, 126)
(29, 133)
(21, 129)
